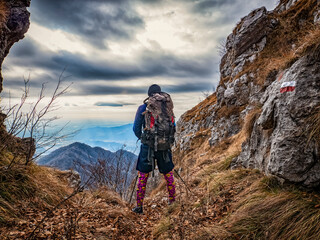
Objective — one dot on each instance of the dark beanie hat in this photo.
(154, 89)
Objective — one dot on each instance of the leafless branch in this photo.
(34, 123)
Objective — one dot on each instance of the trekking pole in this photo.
(182, 180)
(135, 183)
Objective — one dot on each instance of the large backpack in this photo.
(159, 118)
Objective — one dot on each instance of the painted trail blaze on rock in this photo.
(288, 87)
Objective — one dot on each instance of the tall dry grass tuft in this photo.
(313, 127)
(309, 43)
(161, 230)
(250, 119)
(281, 215)
(35, 186)
(4, 12)
(227, 111)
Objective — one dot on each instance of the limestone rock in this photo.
(224, 128)
(285, 6)
(279, 142)
(247, 40)
(316, 19)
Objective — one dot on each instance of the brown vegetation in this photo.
(4, 12)
(201, 111)
(271, 211)
(250, 119)
(240, 204)
(227, 111)
(313, 127)
(25, 187)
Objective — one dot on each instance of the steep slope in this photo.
(276, 124)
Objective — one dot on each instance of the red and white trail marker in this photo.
(288, 87)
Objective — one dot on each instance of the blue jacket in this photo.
(139, 122)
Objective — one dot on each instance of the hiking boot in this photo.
(137, 210)
(171, 202)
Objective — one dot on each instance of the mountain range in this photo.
(111, 138)
(114, 167)
(64, 158)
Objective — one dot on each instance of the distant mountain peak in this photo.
(65, 157)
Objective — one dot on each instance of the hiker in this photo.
(155, 117)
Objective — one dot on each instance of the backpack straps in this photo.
(146, 100)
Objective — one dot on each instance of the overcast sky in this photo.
(114, 49)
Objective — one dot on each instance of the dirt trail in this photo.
(104, 216)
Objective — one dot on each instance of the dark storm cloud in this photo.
(113, 104)
(99, 89)
(232, 10)
(26, 48)
(148, 64)
(94, 20)
(151, 1)
(209, 5)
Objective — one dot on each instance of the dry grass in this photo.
(269, 211)
(227, 111)
(241, 204)
(309, 43)
(259, 207)
(200, 111)
(250, 119)
(4, 12)
(108, 196)
(313, 127)
(161, 230)
(31, 186)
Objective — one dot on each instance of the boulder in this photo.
(13, 29)
(247, 40)
(280, 143)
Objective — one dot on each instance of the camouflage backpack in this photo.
(159, 118)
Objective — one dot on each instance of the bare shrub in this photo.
(114, 173)
(30, 121)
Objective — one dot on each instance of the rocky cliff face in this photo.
(14, 23)
(269, 92)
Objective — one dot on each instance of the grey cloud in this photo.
(209, 5)
(94, 20)
(96, 89)
(109, 104)
(198, 86)
(35, 81)
(26, 48)
(100, 89)
(151, 1)
(148, 64)
(232, 10)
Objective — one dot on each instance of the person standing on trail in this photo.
(154, 125)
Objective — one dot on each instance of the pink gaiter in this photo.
(171, 186)
(141, 188)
